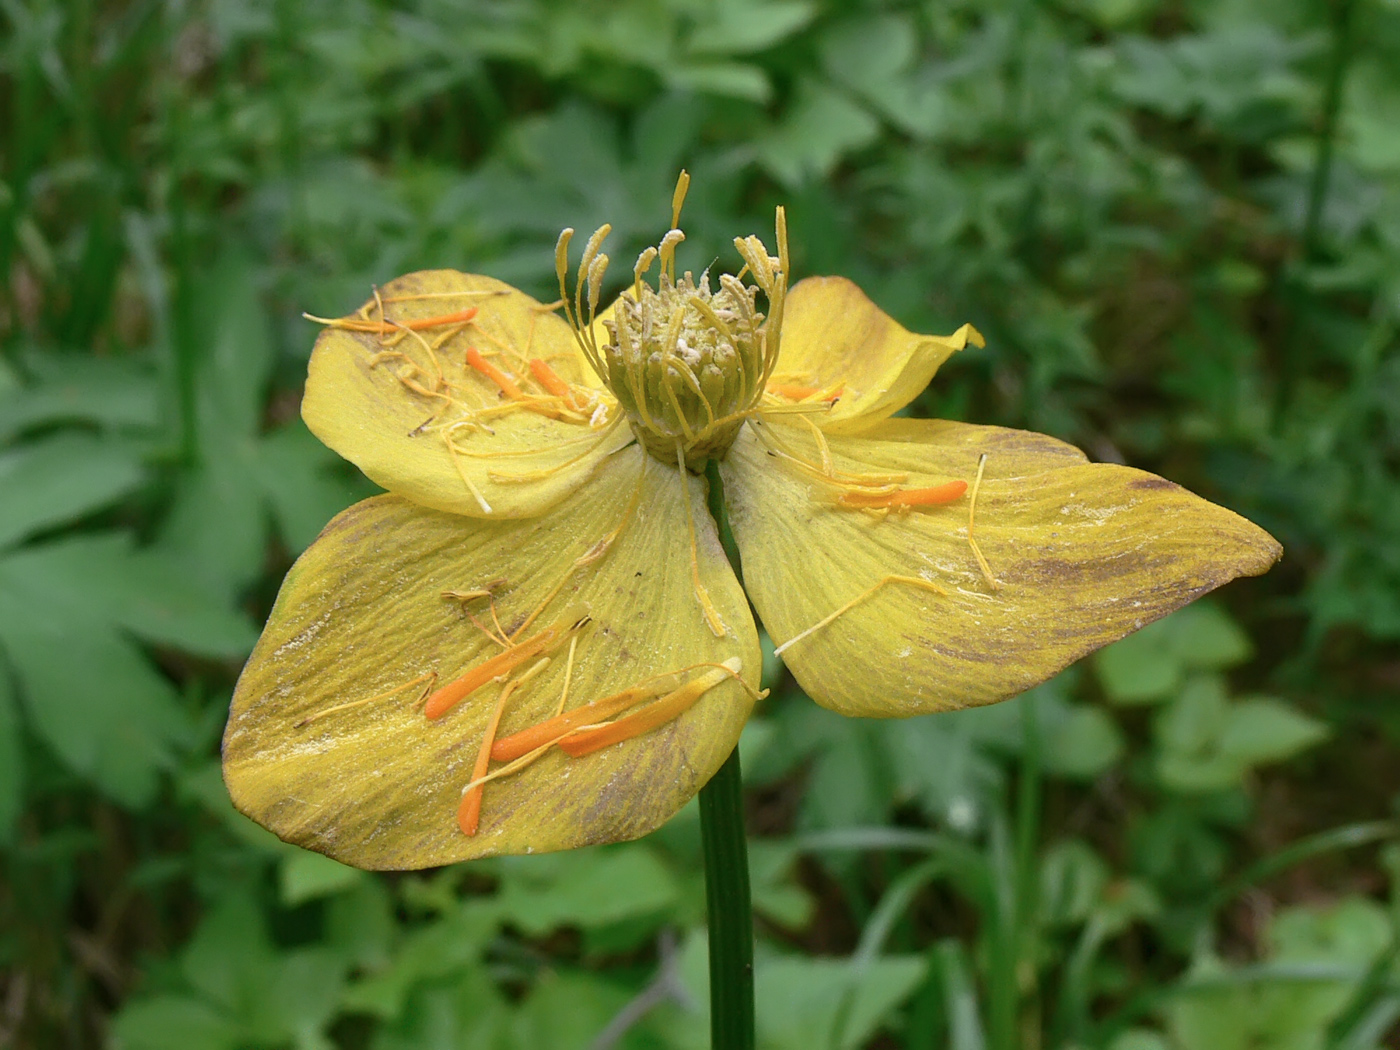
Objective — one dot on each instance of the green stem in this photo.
(727, 871)
(730, 913)
(727, 867)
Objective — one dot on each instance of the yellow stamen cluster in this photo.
(688, 364)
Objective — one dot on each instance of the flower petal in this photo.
(836, 340)
(408, 408)
(1082, 555)
(363, 613)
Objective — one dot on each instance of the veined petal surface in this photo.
(1082, 553)
(403, 402)
(834, 337)
(363, 612)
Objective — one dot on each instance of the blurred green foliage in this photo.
(1178, 224)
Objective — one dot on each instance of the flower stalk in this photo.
(729, 909)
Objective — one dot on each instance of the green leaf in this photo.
(138, 590)
(1219, 1009)
(438, 951)
(88, 693)
(1204, 638)
(1072, 880)
(11, 757)
(273, 996)
(81, 389)
(304, 876)
(361, 925)
(965, 1031)
(1263, 729)
(731, 79)
(1188, 732)
(216, 530)
(1150, 665)
(738, 27)
(1354, 930)
(1208, 743)
(468, 1011)
(229, 960)
(874, 57)
(801, 999)
(172, 1022)
(819, 128)
(59, 479)
(565, 1011)
(585, 888)
(1084, 744)
(776, 893)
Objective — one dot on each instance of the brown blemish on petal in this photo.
(1153, 482)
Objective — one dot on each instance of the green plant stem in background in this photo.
(727, 869)
(1337, 66)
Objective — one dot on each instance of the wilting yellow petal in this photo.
(457, 415)
(363, 613)
(836, 341)
(1081, 554)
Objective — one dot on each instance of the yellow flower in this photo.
(535, 641)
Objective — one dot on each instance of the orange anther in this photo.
(929, 497)
(469, 812)
(386, 326)
(509, 748)
(459, 317)
(549, 379)
(491, 372)
(669, 707)
(454, 692)
(798, 392)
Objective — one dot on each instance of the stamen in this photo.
(549, 379)
(430, 677)
(800, 392)
(463, 294)
(596, 270)
(678, 197)
(668, 708)
(828, 466)
(561, 270)
(467, 481)
(902, 499)
(551, 730)
(644, 262)
(446, 698)
(667, 252)
(469, 812)
(536, 475)
(387, 327)
(913, 581)
(498, 637)
(506, 383)
(568, 677)
(595, 713)
(992, 581)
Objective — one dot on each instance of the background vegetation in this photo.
(1178, 224)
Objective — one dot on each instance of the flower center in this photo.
(688, 364)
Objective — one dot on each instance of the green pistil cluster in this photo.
(685, 363)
